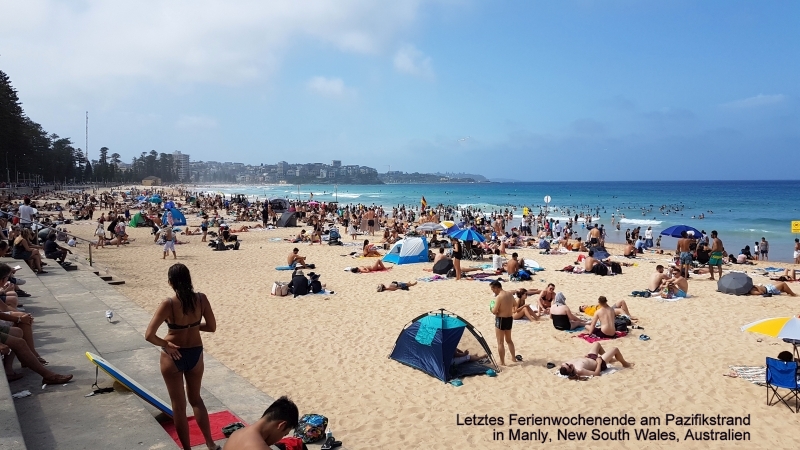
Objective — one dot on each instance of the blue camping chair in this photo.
(782, 375)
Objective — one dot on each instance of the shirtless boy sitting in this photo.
(277, 421)
(596, 361)
(605, 314)
(294, 260)
(657, 279)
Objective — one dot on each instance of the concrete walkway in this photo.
(69, 310)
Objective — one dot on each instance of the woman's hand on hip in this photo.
(172, 350)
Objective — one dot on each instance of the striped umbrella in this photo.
(779, 327)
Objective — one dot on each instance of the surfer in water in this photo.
(182, 350)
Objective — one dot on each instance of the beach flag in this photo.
(424, 202)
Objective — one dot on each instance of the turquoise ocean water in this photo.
(741, 211)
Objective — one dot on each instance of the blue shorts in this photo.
(686, 258)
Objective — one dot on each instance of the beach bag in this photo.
(616, 268)
(523, 275)
(280, 289)
(311, 428)
(621, 323)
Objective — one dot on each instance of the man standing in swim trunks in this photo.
(593, 363)
(685, 252)
(716, 254)
(370, 216)
(503, 311)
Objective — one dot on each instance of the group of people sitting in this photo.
(16, 332)
(302, 285)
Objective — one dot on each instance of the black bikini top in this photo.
(173, 326)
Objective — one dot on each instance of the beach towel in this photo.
(217, 421)
(754, 374)
(662, 299)
(276, 239)
(590, 338)
(576, 330)
(609, 370)
(480, 275)
(284, 268)
(323, 292)
(773, 269)
(433, 278)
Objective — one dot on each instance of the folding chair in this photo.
(467, 251)
(782, 375)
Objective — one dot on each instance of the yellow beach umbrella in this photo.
(447, 223)
(779, 327)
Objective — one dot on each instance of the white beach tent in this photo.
(408, 250)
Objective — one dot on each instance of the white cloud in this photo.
(196, 122)
(107, 49)
(329, 87)
(413, 62)
(756, 101)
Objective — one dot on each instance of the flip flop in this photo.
(644, 337)
(550, 365)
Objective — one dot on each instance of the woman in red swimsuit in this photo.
(182, 350)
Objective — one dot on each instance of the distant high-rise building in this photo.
(181, 162)
(282, 166)
(336, 163)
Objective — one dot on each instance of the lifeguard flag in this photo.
(424, 202)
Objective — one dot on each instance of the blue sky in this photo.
(527, 90)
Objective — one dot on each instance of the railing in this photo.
(77, 238)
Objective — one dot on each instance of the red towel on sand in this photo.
(217, 421)
(590, 338)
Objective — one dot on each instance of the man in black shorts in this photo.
(503, 311)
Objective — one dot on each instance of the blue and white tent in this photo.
(429, 341)
(408, 250)
(178, 219)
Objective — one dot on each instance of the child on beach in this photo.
(169, 242)
(100, 233)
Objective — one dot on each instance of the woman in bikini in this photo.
(457, 255)
(369, 251)
(182, 350)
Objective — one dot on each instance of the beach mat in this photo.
(754, 374)
(218, 420)
(284, 268)
(609, 370)
(590, 338)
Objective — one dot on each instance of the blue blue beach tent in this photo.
(178, 219)
(408, 250)
(429, 341)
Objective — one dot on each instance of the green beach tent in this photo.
(136, 220)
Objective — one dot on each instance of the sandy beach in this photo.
(329, 352)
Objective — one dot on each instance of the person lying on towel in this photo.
(595, 362)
